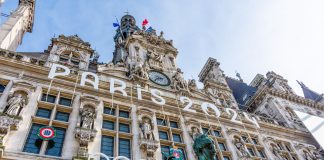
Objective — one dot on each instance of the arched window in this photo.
(2, 88)
(70, 57)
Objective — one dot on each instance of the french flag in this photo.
(146, 24)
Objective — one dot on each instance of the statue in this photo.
(216, 75)
(192, 84)
(146, 128)
(204, 147)
(241, 148)
(195, 132)
(276, 152)
(139, 69)
(153, 56)
(87, 118)
(178, 81)
(15, 104)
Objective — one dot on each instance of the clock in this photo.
(159, 78)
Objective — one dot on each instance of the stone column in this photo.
(229, 142)
(135, 144)
(95, 146)
(70, 145)
(17, 138)
(157, 138)
(4, 97)
(187, 139)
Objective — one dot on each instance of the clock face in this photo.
(159, 78)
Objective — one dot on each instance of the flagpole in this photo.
(120, 29)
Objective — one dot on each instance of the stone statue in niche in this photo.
(15, 104)
(87, 117)
(178, 81)
(216, 75)
(147, 129)
(140, 70)
(241, 148)
(276, 152)
(154, 58)
(204, 147)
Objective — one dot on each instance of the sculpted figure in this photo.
(192, 84)
(194, 132)
(139, 69)
(241, 148)
(216, 75)
(204, 147)
(178, 81)
(147, 129)
(15, 103)
(87, 118)
(155, 56)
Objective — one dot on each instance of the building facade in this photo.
(139, 105)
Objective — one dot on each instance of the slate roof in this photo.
(310, 94)
(241, 91)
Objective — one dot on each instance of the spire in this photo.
(308, 93)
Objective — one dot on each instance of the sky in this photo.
(249, 36)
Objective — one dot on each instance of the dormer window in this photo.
(70, 58)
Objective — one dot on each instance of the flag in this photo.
(145, 22)
(150, 29)
(116, 24)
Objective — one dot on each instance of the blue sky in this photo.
(249, 36)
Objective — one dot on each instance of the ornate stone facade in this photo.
(144, 108)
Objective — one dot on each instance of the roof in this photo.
(241, 91)
(308, 93)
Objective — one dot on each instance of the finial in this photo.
(127, 13)
(239, 76)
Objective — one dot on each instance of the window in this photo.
(124, 114)
(245, 139)
(54, 147)
(161, 122)
(261, 153)
(108, 125)
(42, 112)
(255, 141)
(33, 143)
(163, 135)
(124, 127)
(174, 124)
(107, 145)
(226, 158)
(251, 151)
(176, 137)
(110, 111)
(62, 116)
(2, 88)
(217, 133)
(222, 146)
(206, 131)
(65, 101)
(48, 98)
(288, 148)
(124, 148)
